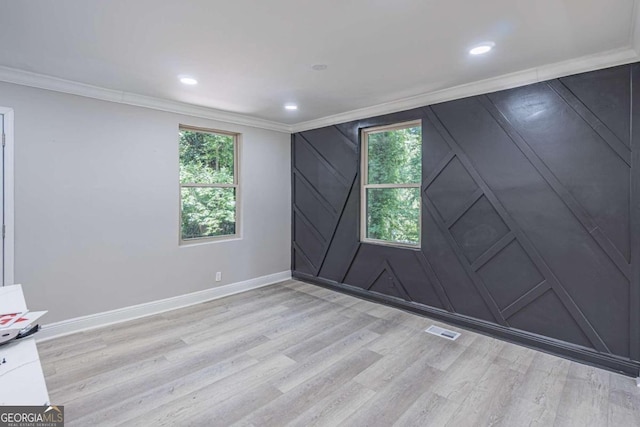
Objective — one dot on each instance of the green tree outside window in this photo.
(392, 160)
(208, 184)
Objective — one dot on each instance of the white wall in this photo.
(96, 205)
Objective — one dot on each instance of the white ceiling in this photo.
(253, 56)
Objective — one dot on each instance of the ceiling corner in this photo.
(41, 81)
(582, 64)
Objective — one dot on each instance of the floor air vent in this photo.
(444, 333)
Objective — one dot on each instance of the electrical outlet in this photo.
(218, 276)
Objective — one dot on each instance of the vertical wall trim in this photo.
(634, 291)
(293, 205)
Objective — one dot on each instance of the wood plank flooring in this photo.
(301, 355)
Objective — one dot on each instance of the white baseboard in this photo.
(106, 318)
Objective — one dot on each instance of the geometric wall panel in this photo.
(606, 93)
(333, 147)
(584, 155)
(559, 235)
(301, 264)
(387, 283)
(460, 289)
(546, 316)
(310, 242)
(509, 275)
(320, 175)
(530, 199)
(478, 229)
(396, 272)
(340, 250)
(310, 205)
(451, 189)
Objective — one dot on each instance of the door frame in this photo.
(8, 195)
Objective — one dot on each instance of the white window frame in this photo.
(237, 137)
(364, 173)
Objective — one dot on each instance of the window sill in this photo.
(391, 244)
(208, 240)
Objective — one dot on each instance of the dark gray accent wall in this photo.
(530, 216)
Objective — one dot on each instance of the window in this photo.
(208, 184)
(391, 177)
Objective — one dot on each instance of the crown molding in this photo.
(26, 78)
(507, 81)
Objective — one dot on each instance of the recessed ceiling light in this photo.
(290, 107)
(319, 67)
(188, 80)
(482, 48)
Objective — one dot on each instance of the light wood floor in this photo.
(296, 354)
